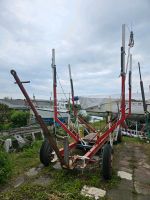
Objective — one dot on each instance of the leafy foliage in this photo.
(19, 118)
(4, 113)
(5, 167)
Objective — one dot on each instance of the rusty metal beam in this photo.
(38, 117)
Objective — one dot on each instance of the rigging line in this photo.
(127, 64)
(62, 87)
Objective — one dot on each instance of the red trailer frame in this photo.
(101, 140)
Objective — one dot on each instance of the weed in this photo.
(5, 167)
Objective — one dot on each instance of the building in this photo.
(16, 104)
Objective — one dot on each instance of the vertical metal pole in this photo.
(54, 89)
(69, 117)
(123, 35)
(136, 128)
(66, 150)
(123, 71)
(131, 66)
(72, 89)
(142, 91)
(109, 125)
(130, 83)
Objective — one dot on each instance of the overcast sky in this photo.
(84, 33)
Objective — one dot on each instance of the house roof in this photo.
(23, 105)
(14, 103)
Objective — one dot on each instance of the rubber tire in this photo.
(107, 162)
(119, 137)
(45, 153)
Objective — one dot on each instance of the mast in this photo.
(130, 83)
(54, 88)
(72, 90)
(123, 74)
(142, 90)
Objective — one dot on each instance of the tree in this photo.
(19, 118)
(4, 113)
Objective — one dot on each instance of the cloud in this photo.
(85, 34)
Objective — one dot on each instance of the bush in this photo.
(5, 127)
(4, 113)
(5, 167)
(19, 118)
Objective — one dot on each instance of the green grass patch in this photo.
(5, 167)
(37, 192)
(63, 184)
(72, 181)
(132, 139)
(99, 124)
(29, 157)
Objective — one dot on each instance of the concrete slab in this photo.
(42, 180)
(142, 174)
(125, 175)
(57, 166)
(125, 169)
(124, 191)
(93, 192)
(32, 172)
(143, 197)
(19, 181)
(141, 188)
(120, 195)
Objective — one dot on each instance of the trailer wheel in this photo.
(107, 162)
(119, 137)
(46, 153)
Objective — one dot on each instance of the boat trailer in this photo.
(103, 142)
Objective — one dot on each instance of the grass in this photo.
(63, 184)
(36, 192)
(133, 139)
(29, 157)
(99, 124)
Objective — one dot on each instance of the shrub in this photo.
(5, 167)
(19, 118)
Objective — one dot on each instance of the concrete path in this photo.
(131, 158)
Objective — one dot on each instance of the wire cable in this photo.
(61, 87)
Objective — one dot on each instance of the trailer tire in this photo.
(119, 137)
(46, 153)
(107, 162)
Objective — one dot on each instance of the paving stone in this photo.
(32, 172)
(125, 169)
(142, 174)
(125, 175)
(124, 191)
(141, 188)
(143, 197)
(19, 181)
(57, 166)
(120, 195)
(40, 167)
(93, 192)
(42, 180)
